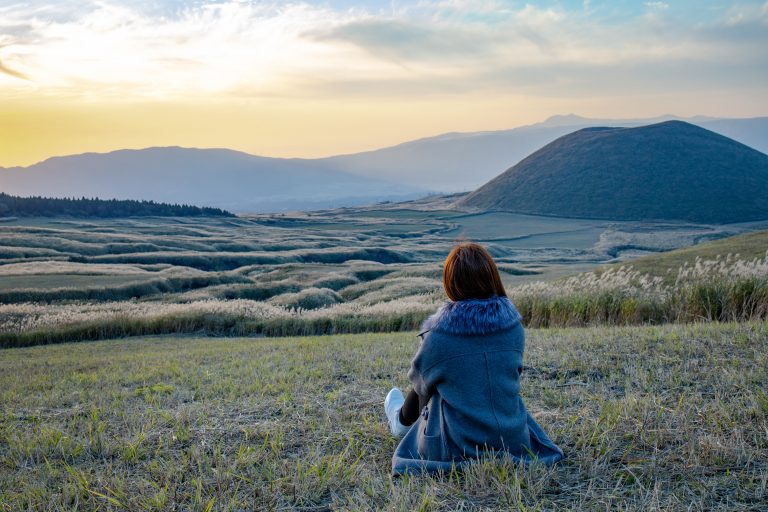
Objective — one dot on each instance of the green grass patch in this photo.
(672, 417)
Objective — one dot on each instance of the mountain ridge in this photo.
(551, 122)
(666, 171)
(446, 163)
(222, 178)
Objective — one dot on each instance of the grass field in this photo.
(748, 246)
(672, 417)
(392, 236)
(345, 270)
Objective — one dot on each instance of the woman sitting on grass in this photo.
(465, 401)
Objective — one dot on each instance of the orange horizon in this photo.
(23, 142)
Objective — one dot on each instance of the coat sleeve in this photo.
(423, 373)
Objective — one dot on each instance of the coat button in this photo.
(425, 412)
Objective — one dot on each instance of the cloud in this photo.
(404, 40)
(120, 50)
(10, 72)
(112, 48)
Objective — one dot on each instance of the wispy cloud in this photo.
(10, 72)
(115, 49)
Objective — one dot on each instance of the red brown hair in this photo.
(469, 272)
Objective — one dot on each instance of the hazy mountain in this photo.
(670, 170)
(241, 182)
(207, 177)
(463, 161)
(752, 132)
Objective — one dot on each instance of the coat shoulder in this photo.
(473, 317)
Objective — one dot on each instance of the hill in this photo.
(455, 162)
(451, 162)
(84, 207)
(212, 177)
(666, 171)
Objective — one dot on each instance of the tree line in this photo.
(14, 206)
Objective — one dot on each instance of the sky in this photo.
(318, 78)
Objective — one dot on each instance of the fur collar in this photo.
(473, 317)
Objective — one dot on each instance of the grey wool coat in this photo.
(469, 364)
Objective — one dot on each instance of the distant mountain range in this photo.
(241, 182)
(219, 178)
(666, 171)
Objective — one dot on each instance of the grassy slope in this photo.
(671, 417)
(748, 246)
(635, 174)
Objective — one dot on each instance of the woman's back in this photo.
(467, 372)
(469, 363)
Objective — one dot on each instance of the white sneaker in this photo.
(392, 405)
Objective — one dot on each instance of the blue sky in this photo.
(609, 11)
(688, 11)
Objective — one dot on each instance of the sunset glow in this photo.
(321, 78)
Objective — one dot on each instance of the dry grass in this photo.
(283, 303)
(127, 277)
(721, 289)
(651, 418)
(747, 247)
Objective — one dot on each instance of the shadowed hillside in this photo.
(671, 170)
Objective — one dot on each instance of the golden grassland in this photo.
(747, 246)
(397, 299)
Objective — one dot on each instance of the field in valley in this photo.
(159, 416)
(671, 417)
(346, 270)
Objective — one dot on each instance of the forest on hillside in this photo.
(13, 206)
